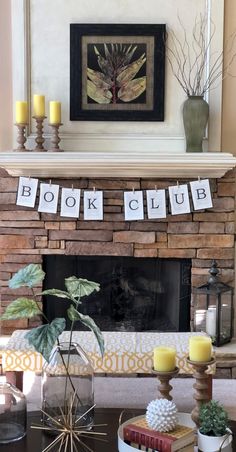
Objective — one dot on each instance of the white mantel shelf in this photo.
(117, 164)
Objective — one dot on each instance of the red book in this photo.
(139, 433)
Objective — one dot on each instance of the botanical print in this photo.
(117, 72)
(121, 76)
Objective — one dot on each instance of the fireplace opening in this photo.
(136, 294)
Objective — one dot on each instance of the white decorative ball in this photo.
(161, 415)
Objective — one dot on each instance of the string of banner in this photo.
(133, 200)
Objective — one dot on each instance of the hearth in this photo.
(28, 236)
(144, 294)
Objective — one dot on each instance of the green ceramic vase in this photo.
(195, 118)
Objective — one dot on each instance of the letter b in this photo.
(201, 193)
(26, 190)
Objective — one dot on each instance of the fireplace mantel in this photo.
(117, 164)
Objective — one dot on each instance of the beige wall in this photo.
(229, 84)
(5, 76)
(228, 142)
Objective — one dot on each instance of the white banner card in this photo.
(156, 204)
(93, 205)
(133, 201)
(27, 191)
(201, 194)
(48, 198)
(179, 199)
(70, 202)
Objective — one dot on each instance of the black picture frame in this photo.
(108, 49)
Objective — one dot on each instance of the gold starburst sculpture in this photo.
(69, 435)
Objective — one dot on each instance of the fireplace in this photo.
(28, 236)
(145, 294)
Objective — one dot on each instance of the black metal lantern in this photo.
(213, 308)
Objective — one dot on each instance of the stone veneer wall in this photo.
(26, 235)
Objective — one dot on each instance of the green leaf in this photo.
(75, 315)
(21, 308)
(213, 418)
(44, 337)
(56, 293)
(28, 276)
(78, 287)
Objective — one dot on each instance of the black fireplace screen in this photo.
(137, 294)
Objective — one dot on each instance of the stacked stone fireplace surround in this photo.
(26, 235)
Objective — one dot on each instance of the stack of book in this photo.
(139, 435)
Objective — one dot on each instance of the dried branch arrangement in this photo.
(189, 57)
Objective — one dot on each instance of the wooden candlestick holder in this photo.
(21, 138)
(201, 394)
(55, 140)
(39, 134)
(164, 386)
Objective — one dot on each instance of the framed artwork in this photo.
(117, 72)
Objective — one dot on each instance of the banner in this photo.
(27, 191)
(179, 199)
(133, 200)
(70, 202)
(93, 205)
(48, 198)
(201, 194)
(156, 204)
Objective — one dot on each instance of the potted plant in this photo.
(68, 373)
(214, 434)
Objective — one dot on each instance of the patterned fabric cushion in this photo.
(124, 352)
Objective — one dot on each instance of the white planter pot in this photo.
(214, 443)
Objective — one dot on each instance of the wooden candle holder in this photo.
(39, 134)
(201, 394)
(55, 140)
(164, 386)
(21, 138)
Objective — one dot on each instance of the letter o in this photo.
(48, 193)
(67, 201)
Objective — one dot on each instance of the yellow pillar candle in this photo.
(164, 359)
(200, 348)
(39, 105)
(21, 112)
(54, 112)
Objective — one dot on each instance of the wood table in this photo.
(36, 441)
